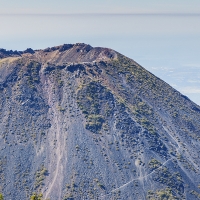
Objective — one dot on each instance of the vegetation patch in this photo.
(40, 176)
(32, 75)
(154, 164)
(173, 181)
(36, 197)
(164, 194)
(96, 103)
(94, 123)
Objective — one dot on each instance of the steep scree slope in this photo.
(78, 122)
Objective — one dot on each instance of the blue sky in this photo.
(98, 6)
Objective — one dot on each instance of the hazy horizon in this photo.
(163, 39)
(103, 6)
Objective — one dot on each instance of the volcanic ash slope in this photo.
(78, 122)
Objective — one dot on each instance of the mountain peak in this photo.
(78, 52)
(82, 122)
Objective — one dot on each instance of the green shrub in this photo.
(153, 163)
(36, 197)
(1, 196)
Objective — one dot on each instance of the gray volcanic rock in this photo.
(78, 122)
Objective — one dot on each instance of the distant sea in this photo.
(165, 44)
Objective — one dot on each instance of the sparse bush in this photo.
(36, 197)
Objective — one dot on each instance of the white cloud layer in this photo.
(190, 90)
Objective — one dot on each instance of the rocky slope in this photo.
(78, 122)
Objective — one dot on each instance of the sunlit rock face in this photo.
(78, 122)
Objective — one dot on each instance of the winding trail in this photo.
(141, 177)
